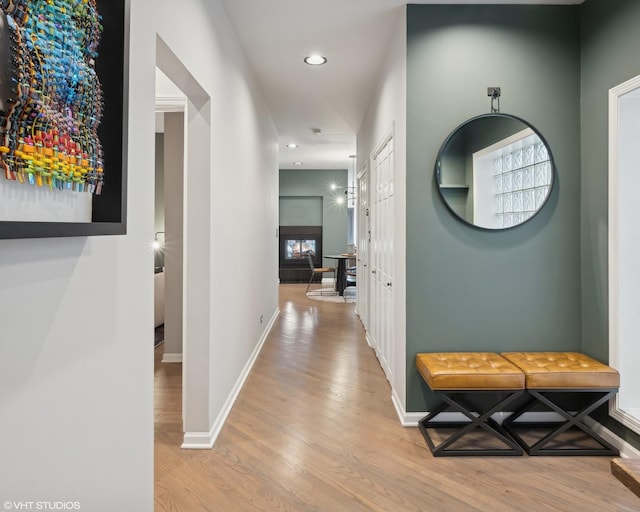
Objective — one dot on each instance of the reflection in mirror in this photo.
(495, 171)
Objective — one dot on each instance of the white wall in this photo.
(76, 386)
(387, 109)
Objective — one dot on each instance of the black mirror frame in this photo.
(437, 170)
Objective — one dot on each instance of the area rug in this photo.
(329, 295)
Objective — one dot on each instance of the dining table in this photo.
(341, 269)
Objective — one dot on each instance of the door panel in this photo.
(381, 256)
(364, 228)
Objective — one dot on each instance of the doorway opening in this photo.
(187, 248)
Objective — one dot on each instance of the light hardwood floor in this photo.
(314, 430)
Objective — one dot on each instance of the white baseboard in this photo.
(171, 358)
(411, 419)
(407, 419)
(198, 440)
(206, 440)
(626, 450)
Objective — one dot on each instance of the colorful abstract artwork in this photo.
(51, 100)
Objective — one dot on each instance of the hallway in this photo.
(314, 430)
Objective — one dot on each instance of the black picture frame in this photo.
(109, 212)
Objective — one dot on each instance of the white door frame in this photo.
(624, 244)
(175, 105)
(381, 295)
(364, 239)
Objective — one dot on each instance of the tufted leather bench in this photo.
(458, 376)
(548, 377)
(468, 370)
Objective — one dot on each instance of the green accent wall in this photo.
(474, 290)
(300, 211)
(295, 183)
(610, 39)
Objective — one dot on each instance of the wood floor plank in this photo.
(628, 472)
(314, 429)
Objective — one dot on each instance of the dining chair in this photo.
(318, 270)
(350, 281)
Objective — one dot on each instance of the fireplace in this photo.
(295, 243)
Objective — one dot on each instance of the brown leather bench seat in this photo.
(468, 370)
(545, 378)
(550, 376)
(457, 376)
(563, 370)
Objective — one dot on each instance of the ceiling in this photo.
(321, 107)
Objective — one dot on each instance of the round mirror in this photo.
(495, 171)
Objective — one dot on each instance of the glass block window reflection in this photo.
(522, 176)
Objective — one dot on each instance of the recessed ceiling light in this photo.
(292, 145)
(315, 60)
(297, 163)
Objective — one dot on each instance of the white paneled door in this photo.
(381, 255)
(364, 238)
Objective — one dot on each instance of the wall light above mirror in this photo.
(495, 171)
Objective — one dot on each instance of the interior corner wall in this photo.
(316, 183)
(387, 110)
(76, 399)
(468, 289)
(610, 41)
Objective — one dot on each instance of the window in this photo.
(516, 173)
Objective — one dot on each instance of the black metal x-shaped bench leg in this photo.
(577, 420)
(478, 419)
